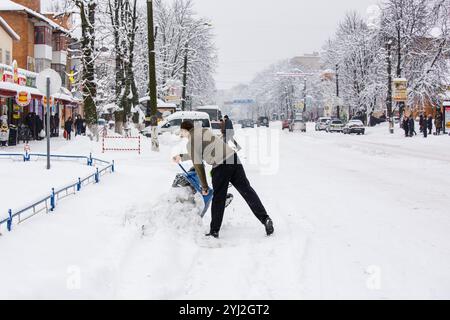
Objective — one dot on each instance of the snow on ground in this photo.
(356, 217)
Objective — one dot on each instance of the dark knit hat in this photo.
(187, 125)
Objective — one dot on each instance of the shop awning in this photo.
(9, 89)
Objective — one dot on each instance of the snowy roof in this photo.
(9, 30)
(8, 5)
(161, 104)
(207, 108)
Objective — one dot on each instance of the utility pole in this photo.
(338, 108)
(152, 103)
(389, 94)
(304, 97)
(183, 99)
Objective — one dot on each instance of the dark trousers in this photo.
(222, 176)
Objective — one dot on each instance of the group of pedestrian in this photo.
(79, 126)
(425, 124)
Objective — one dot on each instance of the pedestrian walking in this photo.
(68, 125)
(229, 132)
(78, 126)
(425, 126)
(406, 125)
(227, 168)
(411, 126)
(430, 123)
(438, 122)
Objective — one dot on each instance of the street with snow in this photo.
(361, 217)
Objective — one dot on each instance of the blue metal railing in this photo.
(48, 203)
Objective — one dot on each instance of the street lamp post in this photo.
(338, 111)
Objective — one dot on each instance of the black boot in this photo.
(213, 234)
(269, 227)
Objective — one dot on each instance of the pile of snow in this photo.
(177, 211)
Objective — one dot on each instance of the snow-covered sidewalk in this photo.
(355, 216)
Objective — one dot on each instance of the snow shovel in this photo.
(194, 181)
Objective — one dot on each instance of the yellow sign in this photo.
(400, 90)
(45, 101)
(299, 106)
(23, 98)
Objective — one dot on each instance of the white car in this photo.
(321, 123)
(172, 123)
(335, 125)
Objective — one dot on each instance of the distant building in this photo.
(308, 62)
(34, 42)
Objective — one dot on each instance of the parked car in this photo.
(297, 125)
(173, 123)
(262, 122)
(247, 123)
(335, 125)
(354, 126)
(285, 124)
(321, 123)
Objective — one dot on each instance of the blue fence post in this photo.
(52, 200)
(90, 161)
(113, 166)
(97, 177)
(79, 184)
(9, 222)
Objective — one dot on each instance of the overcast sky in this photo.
(252, 34)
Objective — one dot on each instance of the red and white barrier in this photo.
(123, 145)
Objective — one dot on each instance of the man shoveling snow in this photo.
(203, 145)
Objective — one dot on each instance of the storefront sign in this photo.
(400, 90)
(23, 98)
(44, 101)
(15, 72)
(22, 80)
(8, 77)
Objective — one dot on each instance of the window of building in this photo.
(59, 42)
(43, 35)
(1, 55)
(31, 64)
(42, 64)
(8, 57)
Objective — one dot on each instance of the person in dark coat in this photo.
(421, 119)
(438, 123)
(430, 123)
(425, 126)
(68, 128)
(406, 125)
(411, 125)
(78, 125)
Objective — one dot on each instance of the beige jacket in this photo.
(203, 145)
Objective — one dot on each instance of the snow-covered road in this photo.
(355, 217)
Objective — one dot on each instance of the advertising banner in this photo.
(447, 116)
(400, 90)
